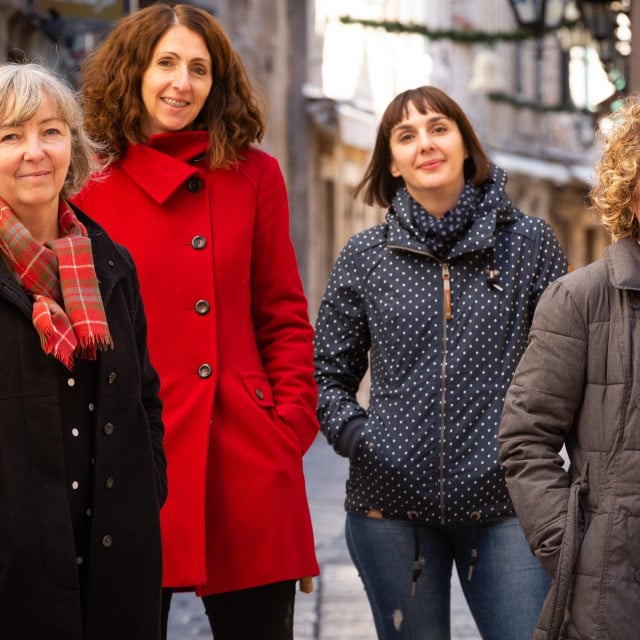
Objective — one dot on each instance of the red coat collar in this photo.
(160, 167)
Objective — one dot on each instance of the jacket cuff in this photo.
(350, 436)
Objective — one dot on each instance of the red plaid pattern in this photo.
(68, 313)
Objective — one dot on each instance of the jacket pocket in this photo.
(553, 610)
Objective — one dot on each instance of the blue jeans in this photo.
(505, 593)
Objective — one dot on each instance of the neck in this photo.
(41, 223)
(438, 202)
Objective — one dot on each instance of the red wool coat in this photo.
(230, 338)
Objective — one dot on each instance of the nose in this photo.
(426, 141)
(33, 148)
(181, 79)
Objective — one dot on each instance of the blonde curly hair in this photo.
(614, 196)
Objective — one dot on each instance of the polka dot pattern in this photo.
(429, 439)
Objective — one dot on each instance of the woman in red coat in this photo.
(205, 216)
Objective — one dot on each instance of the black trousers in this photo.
(264, 613)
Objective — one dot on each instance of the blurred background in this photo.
(539, 80)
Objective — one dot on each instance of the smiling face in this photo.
(177, 81)
(428, 153)
(34, 161)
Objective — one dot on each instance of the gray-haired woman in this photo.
(82, 466)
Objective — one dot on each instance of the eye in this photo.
(52, 131)
(405, 137)
(8, 137)
(200, 71)
(165, 62)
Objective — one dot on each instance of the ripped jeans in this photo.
(505, 593)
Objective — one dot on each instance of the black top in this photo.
(77, 410)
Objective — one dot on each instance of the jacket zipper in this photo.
(447, 314)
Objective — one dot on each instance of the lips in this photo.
(172, 102)
(431, 164)
(35, 174)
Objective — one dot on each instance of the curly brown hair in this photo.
(614, 195)
(233, 113)
(378, 186)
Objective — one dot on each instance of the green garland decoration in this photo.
(464, 37)
(535, 106)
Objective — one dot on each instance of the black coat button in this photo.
(198, 242)
(194, 185)
(107, 541)
(111, 378)
(110, 482)
(202, 307)
(108, 429)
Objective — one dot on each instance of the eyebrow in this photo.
(403, 127)
(177, 55)
(8, 124)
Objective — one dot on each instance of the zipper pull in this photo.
(446, 281)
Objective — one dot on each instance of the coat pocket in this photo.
(259, 389)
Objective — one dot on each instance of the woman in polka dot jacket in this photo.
(437, 302)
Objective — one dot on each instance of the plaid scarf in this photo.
(67, 311)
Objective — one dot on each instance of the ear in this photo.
(393, 169)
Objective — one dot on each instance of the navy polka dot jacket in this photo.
(441, 339)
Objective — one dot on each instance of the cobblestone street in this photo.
(337, 609)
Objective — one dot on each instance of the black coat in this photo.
(39, 586)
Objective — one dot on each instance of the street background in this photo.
(338, 608)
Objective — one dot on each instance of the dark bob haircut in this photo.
(378, 185)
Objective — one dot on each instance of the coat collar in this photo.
(162, 166)
(494, 210)
(623, 264)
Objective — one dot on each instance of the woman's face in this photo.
(428, 153)
(177, 81)
(34, 161)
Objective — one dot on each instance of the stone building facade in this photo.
(547, 152)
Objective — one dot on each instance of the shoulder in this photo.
(530, 227)
(361, 254)
(368, 242)
(254, 165)
(583, 293)
(584, 280)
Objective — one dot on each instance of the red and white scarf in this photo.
(68, 313)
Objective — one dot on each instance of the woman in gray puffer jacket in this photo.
(440, 298)
(578, 384)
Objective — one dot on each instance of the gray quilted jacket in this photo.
(579, 383)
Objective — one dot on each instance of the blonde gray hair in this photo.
(22, 90)
(614, 196)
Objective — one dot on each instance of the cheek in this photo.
(395, 164)
(203, 95)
